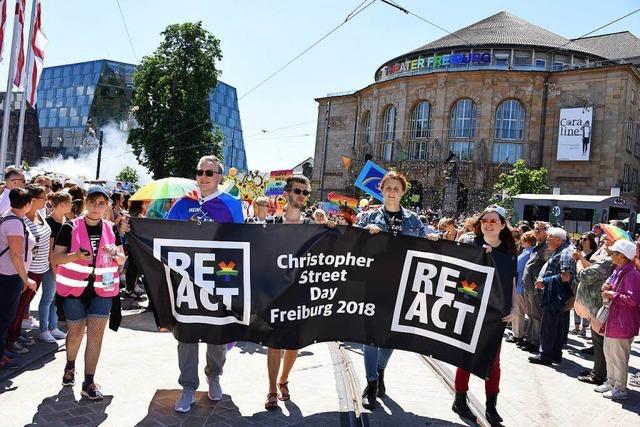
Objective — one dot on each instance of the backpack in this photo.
(7, 217)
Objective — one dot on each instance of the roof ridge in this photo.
(602, 35)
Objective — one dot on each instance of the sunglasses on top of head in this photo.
(299, 192)
(207, 172)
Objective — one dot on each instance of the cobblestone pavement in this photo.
(138, 374)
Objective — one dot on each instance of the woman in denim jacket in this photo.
(391, 218)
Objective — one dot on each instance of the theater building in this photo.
(456, 112)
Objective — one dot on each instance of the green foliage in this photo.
(521, 180)
(129, 174)
(171, 103)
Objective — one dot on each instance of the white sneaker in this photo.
(605, 387)
(58, 334)
(46, 336)
(615, 394)
(29, 323)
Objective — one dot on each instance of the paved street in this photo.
(138, 373)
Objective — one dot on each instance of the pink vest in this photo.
(71, 278)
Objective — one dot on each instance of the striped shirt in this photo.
(42, 233)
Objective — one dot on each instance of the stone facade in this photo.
(608, 89)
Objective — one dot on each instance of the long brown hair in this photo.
(506, 235)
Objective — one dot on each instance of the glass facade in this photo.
(98, 92)
(225, 114)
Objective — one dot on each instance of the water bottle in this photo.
(107, 277)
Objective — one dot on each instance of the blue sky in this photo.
(258, 37)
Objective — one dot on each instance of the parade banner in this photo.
(289, 286)
(370, 178)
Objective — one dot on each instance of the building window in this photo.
(462, 149)
(510, 121)
(630, 127)
(389, 123)
(626, 178)
(633, 96)
(421, 121)
(366, 128)
(387, 151)
(418, 150)
(557, 65)
(463, 119)
(506, 152)
(541, 63)
(636, 150)
(502, 59)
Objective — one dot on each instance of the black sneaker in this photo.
(133, 295)
(91, 391)
(69, 377)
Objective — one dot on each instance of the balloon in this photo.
(233, 172)
(363, 203)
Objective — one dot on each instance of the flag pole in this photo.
(27, 84)
(7, 98)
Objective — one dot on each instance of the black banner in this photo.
(288, 286)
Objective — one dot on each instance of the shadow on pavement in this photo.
(226, 412)
(392, 414)
(64, 408)
(247, 347)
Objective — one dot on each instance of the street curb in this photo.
(349, 381)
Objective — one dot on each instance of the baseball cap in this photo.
(625, 247)
(96, 189)
(497, 209)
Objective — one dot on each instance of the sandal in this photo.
(284, 395)
(272, 402)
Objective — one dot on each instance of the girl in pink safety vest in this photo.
(88, 253)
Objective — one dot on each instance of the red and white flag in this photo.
(37, 44)
(18, 71)
(3, 25)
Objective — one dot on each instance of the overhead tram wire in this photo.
(408, 12)
(126, 28)
(593, 31)
(355, 12)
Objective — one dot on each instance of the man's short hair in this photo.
(19, 198)
(617, 223)
(300, 179)
(213, 159)
(542, 223)
(557, 232)
(11, 171)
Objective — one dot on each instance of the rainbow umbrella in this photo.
(615, 233)
(165, 188)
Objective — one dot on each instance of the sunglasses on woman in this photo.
(207, 172)
(299, 192)
(491, 221)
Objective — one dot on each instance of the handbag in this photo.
(603, 313)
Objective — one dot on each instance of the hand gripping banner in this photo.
(288, 286)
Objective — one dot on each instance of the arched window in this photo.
(421, 121)
(389, 123)
(510, 121)
(463, 119)
(509, 134)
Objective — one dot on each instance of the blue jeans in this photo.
(76, 310)
(47, 308)
(375, 358)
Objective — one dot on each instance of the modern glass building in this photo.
(97, 92)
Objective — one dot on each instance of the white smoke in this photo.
(116, 154)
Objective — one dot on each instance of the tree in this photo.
(129, 174)
(521, 180)
(171, 102)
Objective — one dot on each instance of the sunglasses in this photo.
(491, 221)
(207, 172)
(299, 192)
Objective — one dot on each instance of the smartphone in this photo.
(85, 251)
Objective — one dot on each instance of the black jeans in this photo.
(552, 335)
(132, 273)
(10, 290)
(599, 361)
